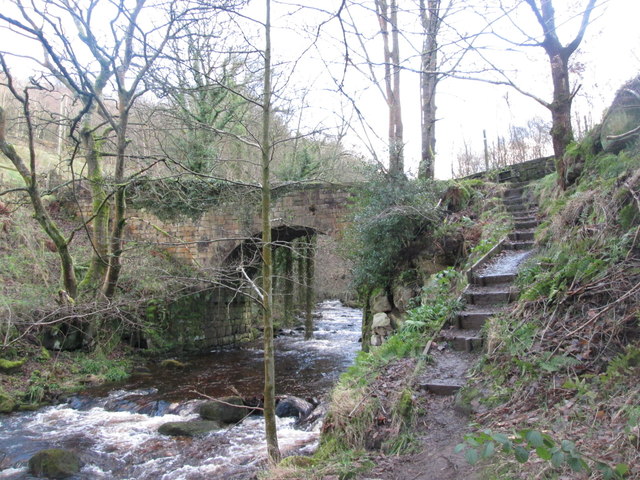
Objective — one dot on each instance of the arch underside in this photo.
(247, 252)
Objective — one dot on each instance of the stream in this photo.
(114, 427)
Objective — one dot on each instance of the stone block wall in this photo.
(210, 319)
(208, 241)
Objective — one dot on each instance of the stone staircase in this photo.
(490, 289)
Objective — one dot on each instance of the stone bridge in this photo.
(215, 237)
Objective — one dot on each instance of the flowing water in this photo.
(115, 430)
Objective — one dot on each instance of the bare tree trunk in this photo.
(119, 220)
(431, 21)
(367, 320)
(308, 286)
(560, 107)
(561, 130)
(388, 14)
(271, 431)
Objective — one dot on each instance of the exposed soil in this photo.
(440, 429)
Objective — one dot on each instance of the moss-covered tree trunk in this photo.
(559, 55)
(300, 269)
(99, 214)
(431, 19)
(119, 210)
(287, 281)
(387, 11)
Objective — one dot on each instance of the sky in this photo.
(609, 53)
(306, 71)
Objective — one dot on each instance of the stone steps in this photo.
(519, 245)
(522, 235)
(462, 340)
(474, 319)
(526, 224)
(487, 280)
(442, 387)
(516, 191)
(447, 375)
(490, 295)
(489, 290)
(520, 208)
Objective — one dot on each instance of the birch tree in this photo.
(105, 65)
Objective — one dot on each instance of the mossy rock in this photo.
(54, 463)
(223, 412)
(10, 365)
(623, 116)
(7, 403)
(45, 355)
(172, 364)
(296, 461)
(188, 429)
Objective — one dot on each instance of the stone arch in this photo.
(282, 234)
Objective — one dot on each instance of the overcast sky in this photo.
(610, 53)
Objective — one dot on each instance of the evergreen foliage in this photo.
(387, 217)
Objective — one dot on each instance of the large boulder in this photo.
(293, 407)
(313, 417)
(402, 296)
(380, 303)
(7, 403)
(54, 463)
(380, 320)
(397, 319)
(622, 117)
(188, 429)
(224, 410)
(381, 328)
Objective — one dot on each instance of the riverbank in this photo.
(114, 427)
(40, 377)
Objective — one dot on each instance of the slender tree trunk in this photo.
(560, 107)
(300, 262)
(561, 130)
(388, 14)
(93, 280)
(367, 320)
(430, 20)
(308, 286)
(119, 214)
(271, 431)
(288, 282)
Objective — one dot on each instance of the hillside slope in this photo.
(555, 394)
